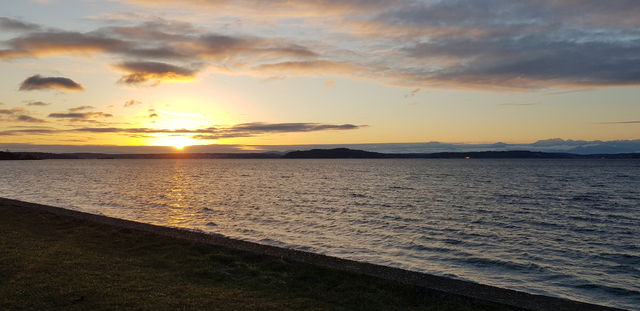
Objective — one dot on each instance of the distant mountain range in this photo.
(555, 145)
(337, 153)
(360, 154)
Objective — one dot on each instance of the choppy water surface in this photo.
(565, 228)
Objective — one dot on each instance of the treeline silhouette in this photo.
(337, 153)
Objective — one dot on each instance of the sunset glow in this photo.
(136, 73)
(178, 142)
(491, 145)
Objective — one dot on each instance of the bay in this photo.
(563, 228)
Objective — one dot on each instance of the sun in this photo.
(175, 141)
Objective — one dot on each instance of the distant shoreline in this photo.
(337, 153)
(430, 282)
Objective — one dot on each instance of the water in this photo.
(564, 228)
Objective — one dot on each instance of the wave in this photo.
(502, 264)
(611, 290)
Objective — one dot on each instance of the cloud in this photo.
(141, 72)
(74, 109)
(410, 43)
(289, 127)
(234, 131)
(26, 118)
(16, 25)
(413, 93)
(238, 130)
(260, 128)
(518, 104)
(80, 115)
(330, 83)
(61, 42)
(309, 67)
(534, 61)
(299, 8)
(621, 122)
(12, 111)
(158, 39)
(164, 40)
(523, 44)
(38, 82)
(217, 46)
(37, 103)
(29, 131)
(132, 102)
(18, 114)
(158, 42)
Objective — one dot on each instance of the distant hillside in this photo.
(337, 153)
(15, 156)
(515, 154)
(343, 153)
(45, 156)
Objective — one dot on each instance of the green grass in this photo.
(55, 262)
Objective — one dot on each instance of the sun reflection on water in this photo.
(179, 212)
(182, 206)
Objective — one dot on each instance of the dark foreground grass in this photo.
(49, 262)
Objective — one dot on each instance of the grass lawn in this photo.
(57, 262)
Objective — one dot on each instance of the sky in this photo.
(283, 72)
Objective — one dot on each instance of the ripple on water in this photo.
(565, 228)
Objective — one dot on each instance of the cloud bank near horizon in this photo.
(209, 133)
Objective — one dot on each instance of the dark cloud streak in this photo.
(14, 24)
(38, 82)
(74, 109)
(621, 122)
(11, 111)
(26, 118)
(289, 127)
(80, 115)
(235, 131)
(37, 103)
(19, 114)
(29, 131)
(141, 72)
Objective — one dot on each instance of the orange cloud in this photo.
(141, 72)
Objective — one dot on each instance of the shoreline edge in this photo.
(445, 285)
